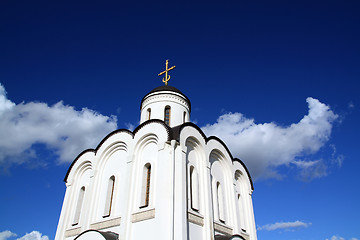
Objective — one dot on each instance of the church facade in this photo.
(164, 180)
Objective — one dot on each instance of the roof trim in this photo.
(207, 139)
(171, 134)
(132, 133)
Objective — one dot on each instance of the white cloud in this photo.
(310, 170)
(4, 235)
(59, 127)
(34, 235)
(264, 147)
(130, 126)
(337, 237)
(5, 104)
(336, 159)
(284, 225)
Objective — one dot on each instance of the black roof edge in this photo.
(168, 129)
(207, 139)
(224, 237)
(132, 133)
(107, 235)
(75, 160)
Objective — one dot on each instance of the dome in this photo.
(167, 88)
(165, 103)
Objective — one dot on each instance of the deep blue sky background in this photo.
(258, 58)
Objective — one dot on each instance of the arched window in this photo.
(184, 117)
(148, 113)
(167, 113)
(194, 189)
(79, 206)
(221, 207)
(145, 194)
(109, 196)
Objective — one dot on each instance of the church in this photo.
(164, 180)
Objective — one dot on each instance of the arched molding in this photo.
(81, 169)
(106, 154)
(144, 141)
(193, 143)
(149, 127)
(193, 128)
(81, 163)
(185, 131)
(116, 138)
(241, 176)
(122, 132)
(147, 132)
(216, 150)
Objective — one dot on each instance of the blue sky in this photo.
(276, 80)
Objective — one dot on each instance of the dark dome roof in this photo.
(107, 235)
(167, 88)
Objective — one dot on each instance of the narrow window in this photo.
(79, 206)
(241, 213)
(167, 115)
(148, 113)
(184, 118)
(109, 196)
(220, 203)
(145, 195)
(194, 189)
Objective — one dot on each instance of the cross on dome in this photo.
(167, 77)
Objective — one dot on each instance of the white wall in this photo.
(169, 214)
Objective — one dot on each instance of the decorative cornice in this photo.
(167, 96)
(72, 232)
(106, 223)
(166, 89)
(195, 218)
(223, 228)
(144, 215)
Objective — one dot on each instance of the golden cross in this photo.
(167, 77)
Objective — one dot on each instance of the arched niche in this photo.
(219, 183)
(147, 155)
(111, 163)
(195, 183)
(79, 193)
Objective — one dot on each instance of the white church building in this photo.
(165, 180)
